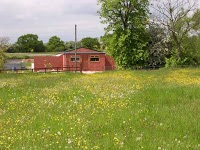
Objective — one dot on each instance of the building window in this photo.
(75, 59)
(94, 58)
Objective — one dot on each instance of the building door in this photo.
(84, 62)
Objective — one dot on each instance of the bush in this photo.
(173, 62)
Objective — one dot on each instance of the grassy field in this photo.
(150, 110)
(27, 55)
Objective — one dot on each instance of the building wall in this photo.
(71, 64)
(48, 62)
(97, 66)
(109, 63)
(85, 63)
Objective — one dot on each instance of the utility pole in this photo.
(75, 48)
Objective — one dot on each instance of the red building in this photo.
(87, 60)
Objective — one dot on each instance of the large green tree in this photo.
(55, 44)
(91, 43)
(29, 43)
(125, 35)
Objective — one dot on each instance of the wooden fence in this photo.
(44, 70)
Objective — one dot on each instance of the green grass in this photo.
(112, 110)
(27, 55)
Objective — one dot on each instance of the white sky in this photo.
(47, 18)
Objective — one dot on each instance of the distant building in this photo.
(87, 60)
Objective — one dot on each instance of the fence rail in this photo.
(45, 70)
(78, 69)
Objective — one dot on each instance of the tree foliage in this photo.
(191, 43)
(196, 22)
(13, 48)
(125, 37)
(174, 15)
(29, 43)
(191, 50)
(4, 44)
(2, 59)
(70, 45)
(91, 43)
(55, 44)
(159, 45)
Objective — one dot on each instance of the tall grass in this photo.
(111, 110)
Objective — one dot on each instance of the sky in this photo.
(47, 18)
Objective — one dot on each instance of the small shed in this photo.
(89, 60)
(86, 59)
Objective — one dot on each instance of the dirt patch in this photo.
(91, 72)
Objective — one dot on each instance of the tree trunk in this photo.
(178, 44)
(179, 51)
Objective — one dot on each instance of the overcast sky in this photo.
(47, 18)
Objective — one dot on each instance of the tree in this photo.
(3, 46)
(125, 35)
(158, 45)
(191, 43)
(71, 45)
(13, 48)
(29, 43)
(191, 51)
(174, 15)
(55, 44)
(196, 22)
(91, 43)
(2, 59)
(4, 43)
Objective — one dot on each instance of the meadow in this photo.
(27, 55)
(150, 110)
